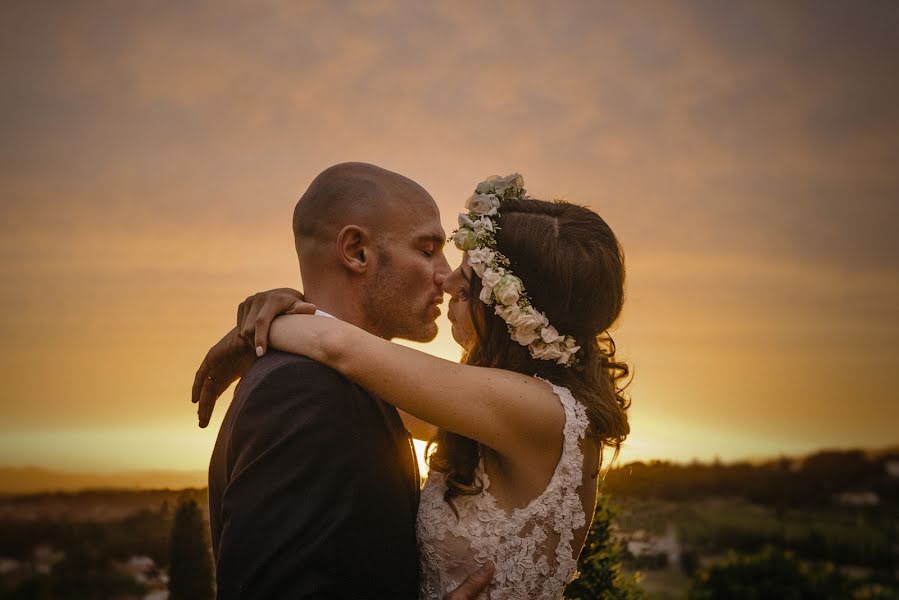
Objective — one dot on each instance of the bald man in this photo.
(313, 482)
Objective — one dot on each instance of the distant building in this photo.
(892, 468)
(45, 557)
(641, 543)
(10, 565)
(144, 571)
(858, 499)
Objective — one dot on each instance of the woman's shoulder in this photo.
(576, 419)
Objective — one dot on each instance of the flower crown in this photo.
(503, 290)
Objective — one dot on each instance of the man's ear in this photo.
(354, 248)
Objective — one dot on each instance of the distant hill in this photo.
(30, 480)
(35, 480)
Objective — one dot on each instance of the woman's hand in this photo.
(233, 355)
(256, 313)
(225, 363)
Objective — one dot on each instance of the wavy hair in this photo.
(573, 269)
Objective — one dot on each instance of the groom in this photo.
(313, 482)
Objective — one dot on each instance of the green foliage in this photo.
(190, 575)
(772, 573)
(600, 563)
(784, 483)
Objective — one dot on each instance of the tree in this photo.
(772, 573)
(190, 575)
(600, 563)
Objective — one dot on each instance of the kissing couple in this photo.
(313, 483)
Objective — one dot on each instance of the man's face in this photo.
(406, 284)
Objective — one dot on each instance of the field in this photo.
(857, 541)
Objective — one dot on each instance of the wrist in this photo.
(241, 355)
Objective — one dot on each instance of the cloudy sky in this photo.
(745, 153)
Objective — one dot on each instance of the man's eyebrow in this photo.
(438, 240)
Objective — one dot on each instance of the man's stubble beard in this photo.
(389, 312)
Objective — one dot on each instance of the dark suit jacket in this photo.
(313, 489)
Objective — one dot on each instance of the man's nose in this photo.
(442, 272)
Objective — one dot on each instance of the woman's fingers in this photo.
(274, 306)
(198, 383)
(225, 362)
(211, 391)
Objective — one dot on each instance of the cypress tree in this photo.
(190, 574)
(599, 564)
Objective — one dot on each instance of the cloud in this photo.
(745, 155)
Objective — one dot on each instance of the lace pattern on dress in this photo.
(531, 547)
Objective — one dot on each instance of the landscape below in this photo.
(825, 523)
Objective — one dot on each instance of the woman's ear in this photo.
(353, 248)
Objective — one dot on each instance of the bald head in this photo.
(348, 194)
(370, 245)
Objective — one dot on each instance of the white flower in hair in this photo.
(489, 280)
(545, 351)
(525, 337)
(499, 287)
(499, 185)
(465, 221)
(479, 258)
(483, 204)
(479, 225)
(549, 334)
(508, 289)
(525, 324)
(466, 239)
(485, 223)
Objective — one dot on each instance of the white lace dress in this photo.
(531, 547)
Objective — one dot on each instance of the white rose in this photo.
(479, 258)
(482, 204)
(465, 239)
(542, 351)
(524, 328)
(488, 280)
(523, 325)
(478, 226)
(568, 352)
(514, 182)
(509, 314)
(484, 224)
(549, 334)
(491, 277)
(486, 186)
(529, 318)
(508, 289)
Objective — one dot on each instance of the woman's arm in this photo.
(506, 411)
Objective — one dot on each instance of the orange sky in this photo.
(745, 155)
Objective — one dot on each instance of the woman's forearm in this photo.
(313, 336)
(502, 409)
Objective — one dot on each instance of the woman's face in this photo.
(457, 285)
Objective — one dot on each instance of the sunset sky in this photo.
(746, 154)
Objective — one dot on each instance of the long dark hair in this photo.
(573, 269)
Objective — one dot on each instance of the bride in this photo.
(523, 419)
